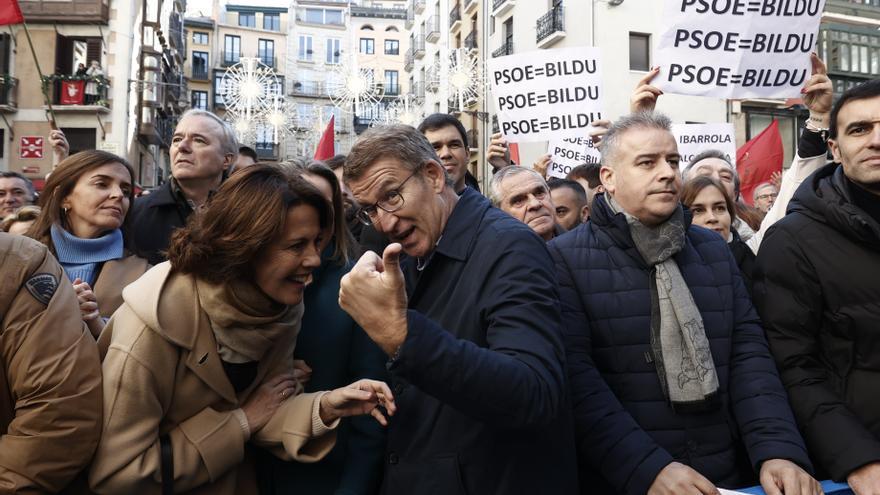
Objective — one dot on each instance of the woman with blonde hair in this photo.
(85, 206)
(199, 358)
(20, 221)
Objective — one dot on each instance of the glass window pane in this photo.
(315, 16)
(639, 51)
(333, 17)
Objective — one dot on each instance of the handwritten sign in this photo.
(696, 138)
(567, 153)
(547, 94)
(737, 48)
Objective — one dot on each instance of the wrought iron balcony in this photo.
(501, 7)
(315, 89)
(433, 29)
(505, 49)
(200, 74)
(473, 136)
(469, 5)
(231, 58)
(408, 60)
(418, 6)
(455, 17)
(418, 47)
(77, 92)
(550, 26)
(470, 41)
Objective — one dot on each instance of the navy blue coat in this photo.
(626, 430)
(154, 218)
(480, 381)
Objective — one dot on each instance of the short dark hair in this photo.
(588, 172)
(335, 161)
(863, 91)
(247, 214)
(27, 182)
(557, 183)
(248, 151)
(440, 120)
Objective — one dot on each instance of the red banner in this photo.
(10, 13)
(72, 92)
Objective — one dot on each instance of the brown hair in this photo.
(346, 246)
(249, 211)
(693, 187)
(26, 213)
(400, 142)
(61, 183)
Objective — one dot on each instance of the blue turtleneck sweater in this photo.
(80, 258)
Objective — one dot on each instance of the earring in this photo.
(65, 210)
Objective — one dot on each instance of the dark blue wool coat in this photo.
(626, 431)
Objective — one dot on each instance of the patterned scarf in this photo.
(678, 339)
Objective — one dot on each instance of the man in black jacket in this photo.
(470, 318)
(816, 287)
(202, 149)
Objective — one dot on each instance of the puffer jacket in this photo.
(817, 291)
(626, 431)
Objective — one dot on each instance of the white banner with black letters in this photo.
(567, 153)
(693, 139)
(547, 94)
(737, 48)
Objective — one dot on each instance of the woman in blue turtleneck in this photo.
(85, 204)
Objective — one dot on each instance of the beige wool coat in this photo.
(163, 375)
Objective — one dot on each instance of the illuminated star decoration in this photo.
(462, 74)
(406, 110)
(352, 87)
(248, 88)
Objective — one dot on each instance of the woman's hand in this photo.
(301, 371)
(645, 96)
(262, 404)
(88, 307)
(361, 397)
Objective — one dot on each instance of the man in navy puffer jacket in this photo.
(673, 386)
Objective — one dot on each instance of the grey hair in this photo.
(685, 174)
(228, 142)
(504, 173)
(401, 142)
(639, 120)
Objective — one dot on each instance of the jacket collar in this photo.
(462, 226)
(168, 303)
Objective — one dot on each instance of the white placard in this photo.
(737, 48)
(568, 153)
(547, 94)
(695, 138)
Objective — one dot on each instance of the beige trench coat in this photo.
(163, 376)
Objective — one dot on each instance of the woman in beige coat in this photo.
(199, 357)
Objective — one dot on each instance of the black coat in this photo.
(626, 430)
(153, 218)
(745, 259)
(817, 286)
(479, 381)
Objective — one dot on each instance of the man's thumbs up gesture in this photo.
(374, 294)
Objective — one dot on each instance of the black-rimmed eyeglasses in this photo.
(392, 202)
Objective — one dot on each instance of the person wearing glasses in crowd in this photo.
(469, 317)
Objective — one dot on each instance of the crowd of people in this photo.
(373, 323)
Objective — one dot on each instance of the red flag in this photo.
(758, 159)
(10, 13)
(514, 153)
(326, 146)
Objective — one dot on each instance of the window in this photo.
(322, 16)
(392, 87)
(852, 55)
(219, 89)
(266, 52)
(272, 22)
(80, 138)
(333, 51)
(368, 46)
(231, 49)
(200, 38)
(200, 65)
(392, 47)
(247, 19)
(305, 48)
(200, 100)
(639, 51)
(757, 119)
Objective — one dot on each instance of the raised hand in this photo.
(644, 98)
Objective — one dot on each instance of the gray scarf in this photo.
(678, 339)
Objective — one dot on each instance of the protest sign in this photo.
(737, 48)
(695, 138)
(567, 153)
(546, 94)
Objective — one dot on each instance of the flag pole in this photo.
(52, 122)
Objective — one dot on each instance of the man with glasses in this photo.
(764, 196)
(470, 319)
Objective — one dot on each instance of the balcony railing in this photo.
(419, 6)
(550, 23)
(268, 59)
(266, 151)
(473, 137)
(392, 90)
(78, 90)
(470, 41)
(418, 89)
(469, 4)
(432, 81)
(455, 16)
(505, 49)
(200, 74)
(408, 60)
(433, 29)
(230, 58)
(418, 46)
(76, 11)
(8, 93)
(410, 17)
(497, 3)
(310, 88)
